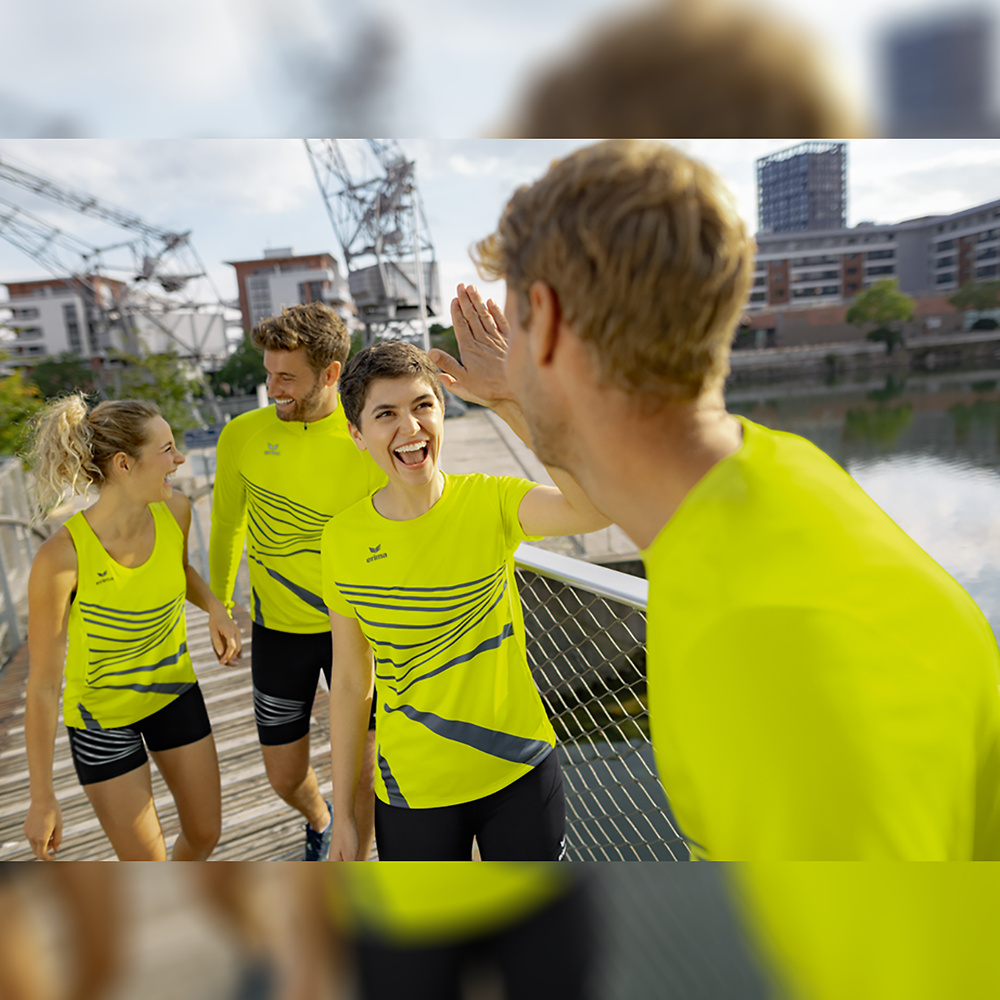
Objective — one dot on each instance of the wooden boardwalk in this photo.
(256, 825)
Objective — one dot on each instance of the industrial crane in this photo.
(154, 255)
(370, 191)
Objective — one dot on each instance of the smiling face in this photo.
(157, 461)
(402, 427)
(300, 394)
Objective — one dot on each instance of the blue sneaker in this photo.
(318, 843)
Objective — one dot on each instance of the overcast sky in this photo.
(239, 197)
(317, 67)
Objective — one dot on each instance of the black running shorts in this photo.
(101, 754)
(286, 668)
(552, 954)
(526, 821)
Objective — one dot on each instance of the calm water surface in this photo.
(926, 448)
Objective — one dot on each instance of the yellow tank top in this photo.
(127, 654)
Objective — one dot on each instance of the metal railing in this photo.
(586, 628)
(19, 542)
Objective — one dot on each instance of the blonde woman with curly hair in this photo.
(106, 603)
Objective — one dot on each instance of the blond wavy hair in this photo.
(72, 448)
(647, 254)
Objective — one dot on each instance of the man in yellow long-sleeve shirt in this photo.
(281, 474)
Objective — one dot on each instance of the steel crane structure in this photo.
(149, 256)
(370, 191)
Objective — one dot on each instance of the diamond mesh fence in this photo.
(588, 656)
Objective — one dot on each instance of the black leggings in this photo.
(526, 821)
(553, 954)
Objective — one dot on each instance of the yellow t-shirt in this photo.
(414, 903)
(819, 687)
(873, 931)
(458, 716)
(277, 483)
(127, 654)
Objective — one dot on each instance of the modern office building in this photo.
(50, 316)
(280, 278)
(802, 188)
(930, 256)
(937, 75)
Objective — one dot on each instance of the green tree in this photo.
(443, 338)
(243, 370)
(63, 373)
(977, 296)
(882, 304)
(163, 379)
(20, 400)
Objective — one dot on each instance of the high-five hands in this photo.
(482, 332)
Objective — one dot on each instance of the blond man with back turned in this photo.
(819, 688)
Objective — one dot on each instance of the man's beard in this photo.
(304, 408)
(549, 439)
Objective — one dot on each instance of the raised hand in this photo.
(482, 333)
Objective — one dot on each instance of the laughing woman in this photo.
(106, 607)
(419, 580)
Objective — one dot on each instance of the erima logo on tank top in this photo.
(375, 553)
(103, 578)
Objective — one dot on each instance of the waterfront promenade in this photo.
(257, 826)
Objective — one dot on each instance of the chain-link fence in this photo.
(586, 630)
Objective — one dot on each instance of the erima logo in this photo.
(375, 554)
(272, 449)
(103, 577)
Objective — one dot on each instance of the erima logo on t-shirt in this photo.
(375, 553)
(272, 449)
(103, 578)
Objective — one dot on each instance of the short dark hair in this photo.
(386, 359)
(314, 326)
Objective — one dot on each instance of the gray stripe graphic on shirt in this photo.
(391, 785)
(178, 688)
(503, 745)
(313, 600)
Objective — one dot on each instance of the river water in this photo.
(925, 447)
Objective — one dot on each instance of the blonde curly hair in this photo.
(72, 448)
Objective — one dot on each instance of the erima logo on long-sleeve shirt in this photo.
(375, 553)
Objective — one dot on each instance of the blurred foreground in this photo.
(243, 931)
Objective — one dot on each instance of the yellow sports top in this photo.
(458, 716)
(277, 484)
(418, 903)
(873, 931)
(127, 653)
(819, 687)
